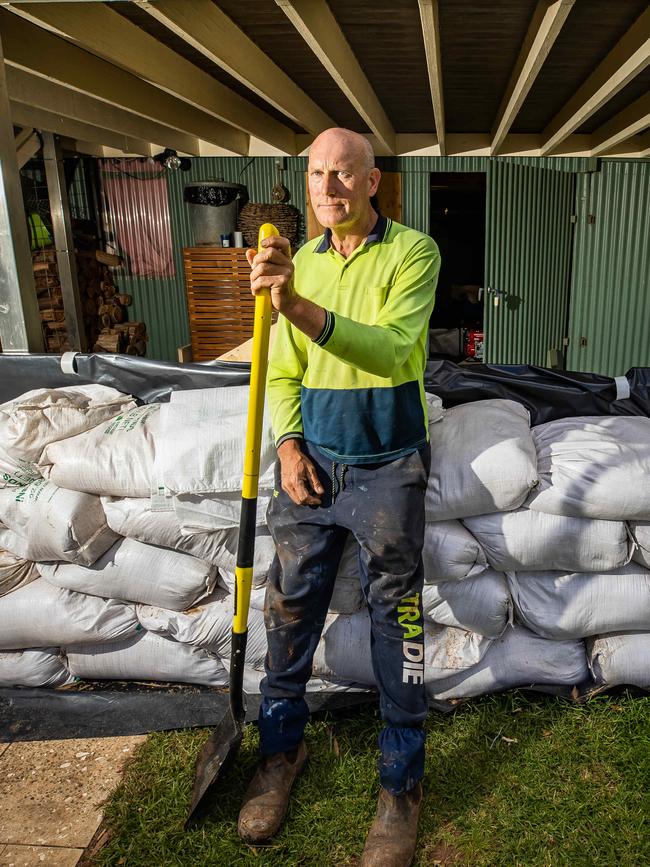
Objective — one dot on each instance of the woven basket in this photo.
(286, 219)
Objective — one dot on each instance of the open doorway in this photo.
(457, 201)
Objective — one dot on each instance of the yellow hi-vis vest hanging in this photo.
(38, 233)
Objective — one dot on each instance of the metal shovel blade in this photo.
(218, 751)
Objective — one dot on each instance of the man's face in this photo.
(340, 185)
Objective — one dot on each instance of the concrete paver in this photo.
(38, 856)
(52, 791)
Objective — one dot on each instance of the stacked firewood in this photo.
(50, 301)
(103, 305)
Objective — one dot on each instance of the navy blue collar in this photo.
(376, 235)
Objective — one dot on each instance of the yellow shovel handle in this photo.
(259, 365)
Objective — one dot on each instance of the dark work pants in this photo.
(383, 506)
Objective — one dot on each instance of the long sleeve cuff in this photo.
(328, 328)
(291, 435)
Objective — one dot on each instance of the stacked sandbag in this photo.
(15, 572)
(46, 415)
(137, 572)
(581, 604)
(41, 521)
(483, 460)
(593, 467)
(115, 458)
(620, 659)
(519, 568)
(44, 668)
(146, 657)
(518, 659)
(41, 615)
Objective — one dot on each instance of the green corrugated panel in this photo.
(610, 289)
(528, 223)
(160, 302)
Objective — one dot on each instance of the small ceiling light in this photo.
(172, 162)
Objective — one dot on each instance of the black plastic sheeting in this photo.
(102, 710)
(109, 710)
(547, 394)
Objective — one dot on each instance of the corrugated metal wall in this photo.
(610, 268)
(160, 302)
(527, 258)
(610, 286)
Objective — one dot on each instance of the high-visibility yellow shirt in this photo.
(357, 391)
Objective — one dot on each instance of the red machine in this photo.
(473, 345)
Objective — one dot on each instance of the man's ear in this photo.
(373, 179)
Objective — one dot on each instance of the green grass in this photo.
(510, 780)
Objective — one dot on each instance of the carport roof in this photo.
(434, 77)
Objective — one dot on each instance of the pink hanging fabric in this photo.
(135, 193)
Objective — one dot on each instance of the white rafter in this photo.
(100, 30)
(314, 21)
(32, 90)
(35, 50)
(431, 36)
(210, 31)
(627, 123)
(627, 59)
(50, 121)
(545, 25)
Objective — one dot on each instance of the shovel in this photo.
(222, 746)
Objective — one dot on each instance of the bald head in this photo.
(342, 180)
(340, 139)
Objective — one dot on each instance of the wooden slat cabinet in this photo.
(219, 301)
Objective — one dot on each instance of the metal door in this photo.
(527, 263)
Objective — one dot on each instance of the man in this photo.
(348, 411)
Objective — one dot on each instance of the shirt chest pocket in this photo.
(373, 299)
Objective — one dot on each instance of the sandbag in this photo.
(45, 415)
(620, 659)
(115, 458)
(15, 572)
(343, 653)
(451, 553)
(33, 668)
(481, 604)
(136, 572)
(136, 518)
(47, 522)
(347, 597)
(201, 513)
(592, 467)
(579, 604)
(41, 615)
(531, 541)
(641, 534)
(519, 658)
(207, 625)
(203, 439)
(483, 460)
(146, 657)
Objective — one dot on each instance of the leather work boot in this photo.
(391, 839)
(267, 797)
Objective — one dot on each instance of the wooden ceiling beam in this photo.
(50, 121)
(627, 123)
(547, 21)
(36, 50)
(28, 143)
(644, 144)
(100, 30)
(431, 36)
(31, 89)
(627, 59)
(210, 31)
(314, 21)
